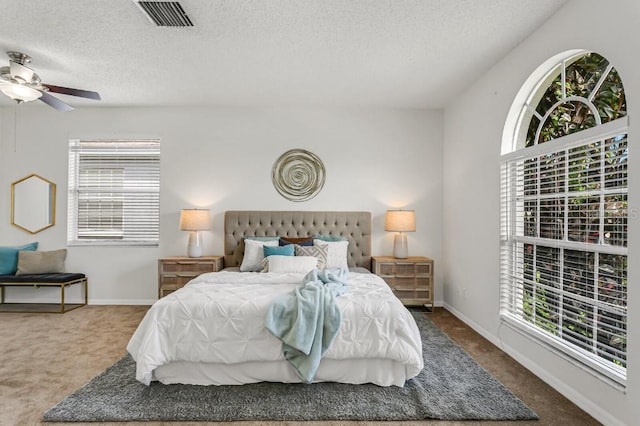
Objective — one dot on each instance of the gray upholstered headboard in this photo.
(355, 226)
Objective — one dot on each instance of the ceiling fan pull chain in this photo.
(15, 128)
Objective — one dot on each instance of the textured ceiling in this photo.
(380, 53)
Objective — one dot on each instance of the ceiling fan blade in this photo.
(54, 102)
(73, 92)
(20, 72)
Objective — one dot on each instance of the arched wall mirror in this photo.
(33, 203)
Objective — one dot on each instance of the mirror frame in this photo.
(52, 203)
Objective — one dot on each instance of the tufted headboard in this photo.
(355, 226)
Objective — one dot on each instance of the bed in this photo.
(212, 331)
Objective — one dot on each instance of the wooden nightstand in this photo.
(411, 279)
(175, 272)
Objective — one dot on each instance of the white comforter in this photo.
(219, 318)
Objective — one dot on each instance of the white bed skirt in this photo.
(382, 372)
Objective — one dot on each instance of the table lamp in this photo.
(400, 221)
(194, 220)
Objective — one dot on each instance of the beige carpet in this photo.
(47, 356)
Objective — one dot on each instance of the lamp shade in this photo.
(19, 92)
(195, 220)
(400, 221)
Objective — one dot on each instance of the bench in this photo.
(62, 280)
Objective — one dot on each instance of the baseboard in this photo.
(480, 330)
(122, 301)
(568, 392)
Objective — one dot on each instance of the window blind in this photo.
(114, 192)
(564, 245)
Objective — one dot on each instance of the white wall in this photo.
(221, 158)
(473, 129)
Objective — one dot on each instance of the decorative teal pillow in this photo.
(329, 238)
(288, 250)
(9, 257)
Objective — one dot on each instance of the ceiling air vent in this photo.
(165, 13)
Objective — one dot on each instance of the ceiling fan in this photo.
(21, 84)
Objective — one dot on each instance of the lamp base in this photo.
(400, 248)
(194, 249)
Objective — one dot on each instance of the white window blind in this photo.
(564, 245)
(114, 192)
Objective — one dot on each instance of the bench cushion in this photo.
(41, 278)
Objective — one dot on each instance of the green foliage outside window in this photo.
(572, 115)
(578, 195)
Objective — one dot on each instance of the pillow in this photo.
(304, 241)
(287, 250)
(337, 253)
(254, 253)
(292, 264)
(41, 262)
(9, 257)
(321, 252)
(329, 238)
(262, 238)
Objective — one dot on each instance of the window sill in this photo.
(606, 374)
(112, 244)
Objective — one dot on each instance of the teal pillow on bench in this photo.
(9, 257)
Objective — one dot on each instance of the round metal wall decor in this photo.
(298, 175)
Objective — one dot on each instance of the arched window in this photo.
(564, 213)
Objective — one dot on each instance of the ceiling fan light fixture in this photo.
(19, 93)
(22, 84)
(20, 73)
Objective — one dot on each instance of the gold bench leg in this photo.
(62, 298)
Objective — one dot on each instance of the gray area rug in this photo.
(452, 386)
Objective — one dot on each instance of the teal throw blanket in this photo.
(308, 320)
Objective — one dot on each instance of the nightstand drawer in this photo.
(168, 289)
(187, 267)
(408, 283)
(177, 279)
(406, 269)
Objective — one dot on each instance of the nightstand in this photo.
(175, 272)
(410, 279)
